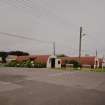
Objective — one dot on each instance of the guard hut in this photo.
(53, 62)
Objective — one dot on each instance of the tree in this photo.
(61, 55)
(3, 55)
(18, 53)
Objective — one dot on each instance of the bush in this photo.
(76, 64)
(12, 64)
(28, 64)
(39, 65)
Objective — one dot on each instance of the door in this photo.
(53, 63)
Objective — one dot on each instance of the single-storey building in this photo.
(51, 61)
(10, 58)
(91, 61)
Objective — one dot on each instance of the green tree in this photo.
(61, 55)
(18, 53)
(3, 55)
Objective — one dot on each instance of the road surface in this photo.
(24, 86)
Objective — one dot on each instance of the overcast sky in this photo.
(53, 20)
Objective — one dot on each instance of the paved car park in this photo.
(26, 86)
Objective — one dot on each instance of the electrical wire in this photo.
(27, 38)
(23, 37)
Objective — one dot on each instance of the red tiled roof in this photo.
(37, 58)
(22, 58)
(41, 58)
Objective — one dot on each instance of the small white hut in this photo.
(53, 62)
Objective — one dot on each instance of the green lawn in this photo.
(73, 69)
(82, 69)
(1, 65)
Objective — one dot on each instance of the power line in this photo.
(23, 37)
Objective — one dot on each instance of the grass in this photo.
(73, 69)
(93, 70)
(82, 69)
(2, 65)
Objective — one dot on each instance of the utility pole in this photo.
(80, 43)
(96, 53)
(54, 48)
(103, 62)
(96, 62)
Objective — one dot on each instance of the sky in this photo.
(53, 20)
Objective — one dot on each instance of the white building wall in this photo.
(96, 65)
(11, 58)
(0, 59)
(103, 63)
(48, 63)
(58, 63)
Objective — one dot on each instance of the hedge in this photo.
(27, 64)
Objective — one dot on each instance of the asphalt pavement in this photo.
(24, 86)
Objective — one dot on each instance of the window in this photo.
(59, 62)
